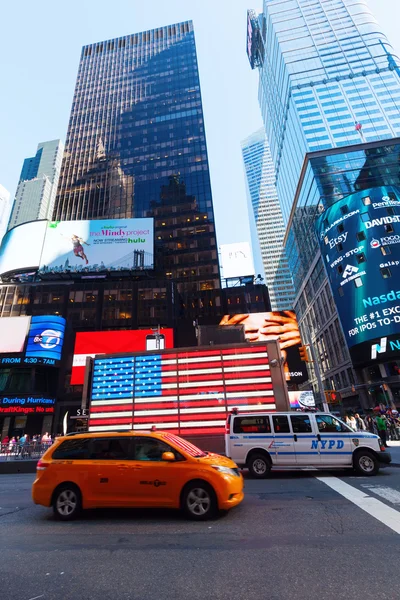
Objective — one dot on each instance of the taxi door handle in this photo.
(295, 437)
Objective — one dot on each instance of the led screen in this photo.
(21, 247)
(301, 400)
(359, 237)
(188, 392)
(110, 342)
(45, 340)
(98, 246)
(13, 332)
(237, 260)
(266, 325)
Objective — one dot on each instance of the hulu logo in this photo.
(136, 241)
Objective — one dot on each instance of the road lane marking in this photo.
(387, 493)
(377, 509)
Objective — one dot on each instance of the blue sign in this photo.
(359, 237)
(45, 340)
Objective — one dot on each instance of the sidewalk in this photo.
(394, 449)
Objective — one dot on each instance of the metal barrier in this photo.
(31, 451)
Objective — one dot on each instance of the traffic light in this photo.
(304, 354)
(333, 397)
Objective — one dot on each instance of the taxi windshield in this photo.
(189, 448)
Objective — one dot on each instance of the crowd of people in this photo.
(382, 422)
(24, 444)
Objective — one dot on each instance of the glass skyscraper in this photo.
(266, 211)
(329, 91)
(5, 208)
(136, 147)
(37, 186)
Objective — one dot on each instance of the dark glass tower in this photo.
(136, 147)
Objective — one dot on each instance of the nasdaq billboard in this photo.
(359, 237)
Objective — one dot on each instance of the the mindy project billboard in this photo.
(359, 237)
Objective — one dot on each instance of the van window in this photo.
(301, 424)
(73, 449)
(251, 425)
(111, 448)
(328, 424)
(281, 424)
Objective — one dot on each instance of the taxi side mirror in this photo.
(168, 456)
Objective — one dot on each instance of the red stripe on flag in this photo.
(246, 374)
(156, 419)
(202, 430)
(196, 354)
(253, 349)
(110, 408)
(116, 421)
(204, 416)
(217, 364)
(199, 403)
(252, 362)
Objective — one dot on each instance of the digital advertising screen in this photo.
(359, 237)
(21, 247)
(45, 340)
(301, 400)
(13, 332)
(98, 246)
(26, 405)
(262, 326)
(112, 342)
(237, 260)
(188, 392)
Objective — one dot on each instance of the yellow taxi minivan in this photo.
(134, 469)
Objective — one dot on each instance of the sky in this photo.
(40, 46)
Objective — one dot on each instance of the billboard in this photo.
(21, 247)
(13, 332)
(45, 340)
(237, 260)
(108, 342)
(266, 325)
(359, 237)
(26, 405)
(98, 246)
(303, 400)
(188, 392)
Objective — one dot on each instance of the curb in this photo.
(13, 467)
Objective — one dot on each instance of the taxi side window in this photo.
(281, 424)
(301, 424)
(111, 449)
(73, 449)
(328, 424)
(147, 448)
(251, 425)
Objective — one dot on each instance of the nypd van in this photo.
(297, 440)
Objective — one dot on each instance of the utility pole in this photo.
(316, 368)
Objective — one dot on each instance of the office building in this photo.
(266, 211)
(329, 89)
(37, 186)
(5, 208)
(136, 147)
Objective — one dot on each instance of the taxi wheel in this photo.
(199, 501)
(365, 463)
(259, 465)
(67, 502)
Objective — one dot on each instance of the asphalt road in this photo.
(293, 537)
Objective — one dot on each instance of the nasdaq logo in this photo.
(378, 348)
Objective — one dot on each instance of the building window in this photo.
(361, 236)
(385, 272)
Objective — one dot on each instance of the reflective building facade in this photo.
(136, 147)
(266, 211)
(5, 208)
(329, 90)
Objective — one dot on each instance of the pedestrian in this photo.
(369, 424)
(359, 422)
(353, 423)
(381, 425)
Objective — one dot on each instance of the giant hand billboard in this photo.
(359, 238)
(95, 246)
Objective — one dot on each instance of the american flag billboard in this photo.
(187, 392)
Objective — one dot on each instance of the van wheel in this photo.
(199, 501)
(365, 463)
(67, 502)
(259, 466)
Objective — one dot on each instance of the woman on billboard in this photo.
(77, 246)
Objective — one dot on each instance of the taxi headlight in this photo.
(226, 470)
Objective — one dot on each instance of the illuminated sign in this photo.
(21, 247)
(262, 326)
(237, 260)
(98, 246)
(302, 399)
(108, 342)
(13, 332)
(25, 405)
(359, 238)
(188, 392)
(45, 340)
